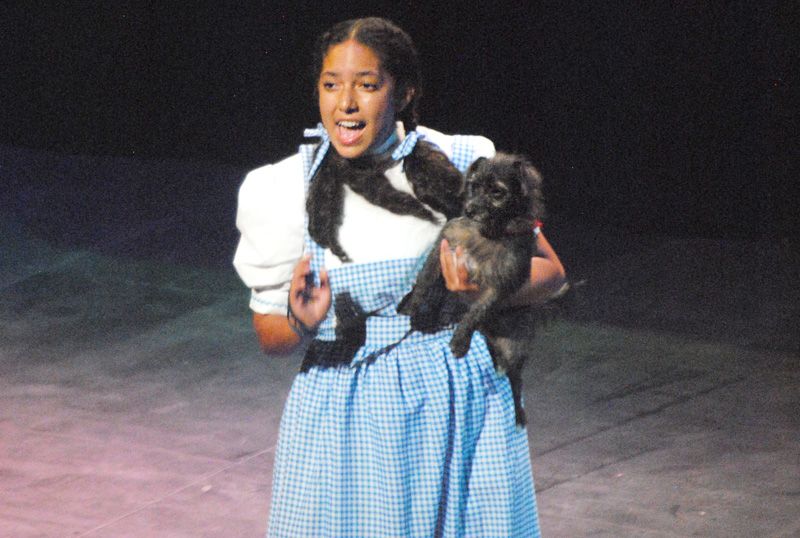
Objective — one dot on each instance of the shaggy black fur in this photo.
(435, 182)
(504, 200)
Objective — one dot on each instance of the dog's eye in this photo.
(497, 193)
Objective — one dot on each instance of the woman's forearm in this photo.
(547, 275)
(274, 333)
(547, 280)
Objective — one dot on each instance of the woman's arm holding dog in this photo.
(547, 279)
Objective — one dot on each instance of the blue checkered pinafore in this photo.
(405, 440)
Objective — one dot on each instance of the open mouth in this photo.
(349, 131)
(352, 125)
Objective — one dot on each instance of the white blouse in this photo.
(271, 220)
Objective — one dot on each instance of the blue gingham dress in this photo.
(406, 440)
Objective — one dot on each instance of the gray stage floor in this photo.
(134, 402)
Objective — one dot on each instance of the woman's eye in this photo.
(328, 85)
(370, 86)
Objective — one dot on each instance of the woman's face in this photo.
(356, 99)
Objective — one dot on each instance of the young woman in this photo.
(384, 433)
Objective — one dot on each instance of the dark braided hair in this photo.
(436, 183)
(434, 179)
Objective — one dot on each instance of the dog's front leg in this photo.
(426, 299)
(474, 317)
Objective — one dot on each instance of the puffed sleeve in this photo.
(462, 150)
(270, 219)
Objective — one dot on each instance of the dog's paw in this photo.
(459, 344)
(519, 413)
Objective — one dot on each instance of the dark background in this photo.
(662, 117)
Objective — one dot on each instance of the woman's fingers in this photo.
(299, 275)
(322, 294)
(309, 303)
(454, 269)
(324, 283)
(461, 270)
(446, 263)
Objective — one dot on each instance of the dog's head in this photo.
(503, 194)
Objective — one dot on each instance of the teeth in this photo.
(350, 124)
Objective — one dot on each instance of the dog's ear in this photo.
(530, 178)
(475, 164)
(521, 170)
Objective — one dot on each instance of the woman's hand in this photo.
(547, 278)
(309, 303)
(454, 270)
(280, 334)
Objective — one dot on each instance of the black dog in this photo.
(503, 204)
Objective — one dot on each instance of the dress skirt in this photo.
(404, 441)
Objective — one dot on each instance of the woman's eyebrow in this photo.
(366, 73)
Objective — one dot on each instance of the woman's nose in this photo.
(347, 100)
